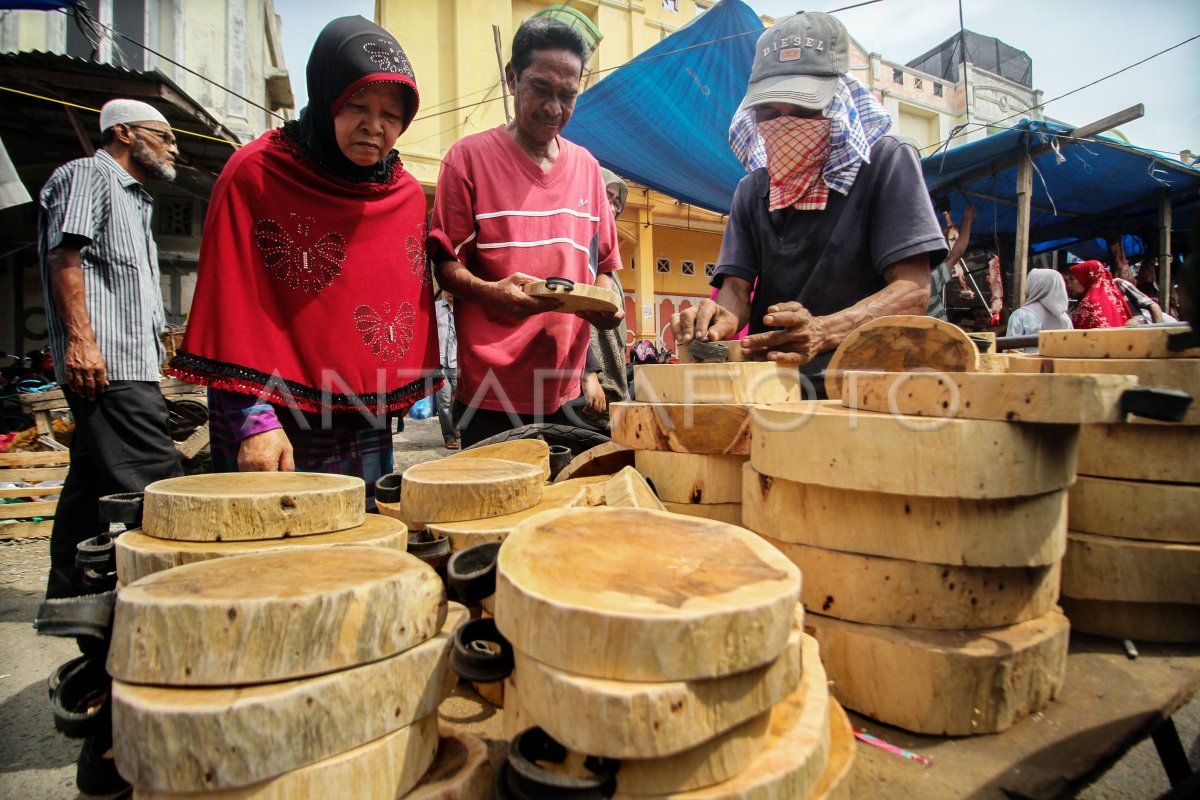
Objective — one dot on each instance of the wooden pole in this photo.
(1164, 251)
(644, 275)
(503, 81)
(1021, 240)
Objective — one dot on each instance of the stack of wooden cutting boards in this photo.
(1132, 568)
(289, 671)
(690, 430)
(673, 644)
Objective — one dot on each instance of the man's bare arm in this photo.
(87, 371)
(505, 296)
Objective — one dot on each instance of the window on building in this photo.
(898, 76)
(710, 269)
(175, 216)
(918, 83)
(671, 5)
(937, 90)
(663, 265)
(687, 267)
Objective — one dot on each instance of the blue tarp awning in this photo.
(1081, 189)
(37, 5)
(663, 119)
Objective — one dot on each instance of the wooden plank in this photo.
(1010, 532)
(139, 555)
(864, 451)
(23, 530)
(653, 719)
(1106, 568)
(224, 507)
(1138, 342)
(730, 513)
(703, 384)
(1161, 512)
(955, 683)
(1020, 262)
(833, 784)
(1053, 399)
(603, 459)
(232, 621)
(48, 458)
(454, 490)
(524, 451)
(712, 429)
(31, 491)
(193, 444)
(913, 594)
(1174, 373)
(460, 770)
(901, 344)
(691, 478)
(1168, 453)
(580, 297)
(1140, 622)
(652, 596)
(201, 740)
(626, 489)
(37, 508)
(386, 767)
(33, 474)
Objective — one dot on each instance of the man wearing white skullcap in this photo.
(104, 314)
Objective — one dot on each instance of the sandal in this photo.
(452, 444)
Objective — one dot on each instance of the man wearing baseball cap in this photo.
(833, 223)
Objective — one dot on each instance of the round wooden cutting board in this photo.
(635, 594)
(273, 616)
(235, 506)
(458, 489)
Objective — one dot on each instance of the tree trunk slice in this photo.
(1141, 622)
(714, 429)
(732, 348)
(914, 594)
(454, 490)
(1129, 571)
(1175, 373)
(202, 740)
(730, 513)
(1011, 532)
(603, 459)
(628, 489)
(652, 596)
(139, 555)
(702, 384)
(944, 683)
(1052, 399)
(496, 529)
(384, 768)
(864, 451)
(691, 478)
(273, 616)
(1140, 342)
(842, 745)
(901, 344)
(643, 719)
(394, 511)
(581, 297)
(1160, 512)
(796, 752)
(460, 770)
(226, 507)
(1165, 453)
(524, 451)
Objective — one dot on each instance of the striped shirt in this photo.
(96, 200)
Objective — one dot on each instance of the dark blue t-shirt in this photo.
(829, 260)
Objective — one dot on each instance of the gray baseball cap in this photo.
(799, 60)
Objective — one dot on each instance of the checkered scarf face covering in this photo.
(796, 153)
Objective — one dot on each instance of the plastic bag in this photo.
(422, 409)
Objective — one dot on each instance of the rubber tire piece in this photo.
(124, 508)
(55, 677)
(387, 488)
(471, 658)
(560, 456)
(80, 700)
(558, 282)
(577, 439)
(471, 573)
(89, 615)
(528, 781)
(98, 554)
(95, 774)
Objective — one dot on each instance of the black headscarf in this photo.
(349, 53)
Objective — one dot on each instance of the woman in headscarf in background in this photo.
(1045, 306)
(313, 313)
(1102, 304)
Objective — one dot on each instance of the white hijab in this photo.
(1046, 299)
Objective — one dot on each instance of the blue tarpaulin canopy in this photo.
(663, 119)
(37, 5)
(1081, 188)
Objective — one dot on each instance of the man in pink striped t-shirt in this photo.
(514, 205)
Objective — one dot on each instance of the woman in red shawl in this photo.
(313, 313)
(1103, 305)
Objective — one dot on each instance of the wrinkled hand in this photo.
(87, 372)
(802, 337)
(269, 451)
(602, 320)
(706, 322)
(594, 394)
(508, 297)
